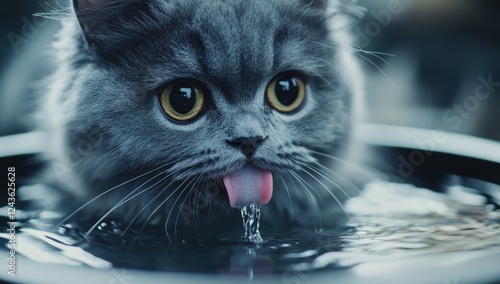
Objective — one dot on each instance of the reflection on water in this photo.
(391, 225)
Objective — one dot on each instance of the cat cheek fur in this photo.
(115, 58)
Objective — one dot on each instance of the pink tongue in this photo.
(249, 185)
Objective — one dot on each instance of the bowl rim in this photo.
(439, 141)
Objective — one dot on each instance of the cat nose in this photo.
(247, 145)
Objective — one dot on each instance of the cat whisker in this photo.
(352, 10)
(313, 201)
(357, 52)
(355, 48)
(306, 10)
(288, 193)
(204, 171)
(198, 193)
(173, 206)
(180, 208)
(330, 192)
(325, 80)
(320, 75)
(154, 198)
(371, 52)
(375, 54)
(325, 61)
(361, 170)
(109, 190)
(146, 206)
(380, 69)
(55, 13)
(354, 187)
(128, 198)
(201, 197)
(322, 174)
(348, 183)
(209, 197)
(295, 187)
(194, 204)
(304, 182)
(328, 144)
(158, 207)
(378, 55)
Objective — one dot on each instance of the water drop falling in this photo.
(251, 219)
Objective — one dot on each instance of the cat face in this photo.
(192, 82)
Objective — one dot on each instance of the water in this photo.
(393, 228)
(251, 221)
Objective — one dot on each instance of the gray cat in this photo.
(173, 112)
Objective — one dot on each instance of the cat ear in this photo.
(90, 13)
(95, 16)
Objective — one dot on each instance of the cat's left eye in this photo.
(286, 92)
(183, 101)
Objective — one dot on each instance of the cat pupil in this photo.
(182, 99)
(287, 91)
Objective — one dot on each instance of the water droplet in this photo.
(102, 226)
(251, 218)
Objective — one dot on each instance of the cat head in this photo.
(207, 87)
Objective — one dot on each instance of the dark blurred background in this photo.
(441, 49)
(25, 38)
(430, 66)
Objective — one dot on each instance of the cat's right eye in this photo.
(286, 92)
(183, 101)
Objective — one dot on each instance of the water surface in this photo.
(392, 227)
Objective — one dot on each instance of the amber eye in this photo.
(183, 101)
(286, 93)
